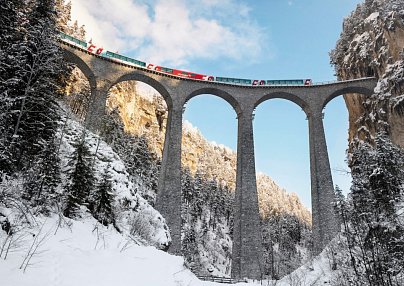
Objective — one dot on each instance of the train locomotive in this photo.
(89, 47)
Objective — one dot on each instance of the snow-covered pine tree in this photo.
(43, 178)
(81, 179)
(282, 234)
(12, 33)
(189, 221)
(372, 225)
(101, 199)
(63, 18)
(32, 117)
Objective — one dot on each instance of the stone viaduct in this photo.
(247, 241)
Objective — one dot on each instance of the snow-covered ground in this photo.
(87, 253)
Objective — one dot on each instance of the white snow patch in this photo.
(372, 17)
(189, 128)
(381, 86)
(79, 255)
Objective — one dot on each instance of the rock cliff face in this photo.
(372, 44)
(143, 112)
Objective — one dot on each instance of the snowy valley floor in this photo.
(87, 253)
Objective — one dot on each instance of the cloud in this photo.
(172, 32)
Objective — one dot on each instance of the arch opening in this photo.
(208, 184)
(339, 126)
(286, 96)
(336, 128)
(283, 184)
(146, 80)
(348, 90)
(218, 93)
(80, 64)
(135, 127)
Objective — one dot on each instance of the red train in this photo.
(180, 73)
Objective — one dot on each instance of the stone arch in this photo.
(85, 69)
(216, 92)
(151, 82)
(347, 90)
(285, 95)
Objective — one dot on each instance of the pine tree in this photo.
(12, 34)
(43, 178)
(63, 11)
(81, 178)
(32, 85)
(372, 226)
(101, 205)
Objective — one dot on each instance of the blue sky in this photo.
(262, 39)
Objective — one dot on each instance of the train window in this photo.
(167, 70)
(193, 75)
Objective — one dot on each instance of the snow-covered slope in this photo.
(86, 253)
(55, 253)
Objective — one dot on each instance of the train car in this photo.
(258, 82)
(180, 73)
(73, 40)
(124, 59)
(233, 80)
(290, 82)
(94, 49)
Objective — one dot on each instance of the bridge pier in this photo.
(168, 201)
(325, 222)
(247, 256)
(97, 105)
